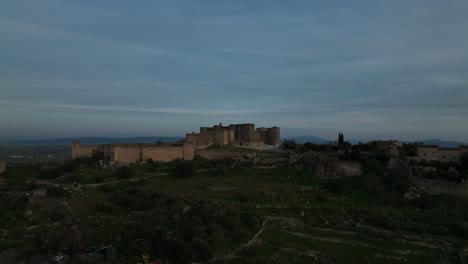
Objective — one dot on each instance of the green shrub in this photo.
(55, 213)
(250, 220)
(51, 173)
(59, 192)
(242, 234)
(203, 249)
(105, 188)
(124, 172)
(440, 230)
(104, 207)
(459, 229)
(320, 198)
(184, 169)
(242, 196)
(335, 185)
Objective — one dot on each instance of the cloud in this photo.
(134, 109)
(304, 65)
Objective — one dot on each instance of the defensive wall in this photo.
(135, 153)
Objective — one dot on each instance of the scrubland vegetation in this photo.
(226, 211)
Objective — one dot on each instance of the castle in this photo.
(238, 135)
(244, 135)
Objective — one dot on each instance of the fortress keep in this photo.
(238, 135)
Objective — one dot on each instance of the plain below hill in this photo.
(319, 140)
(85, 140)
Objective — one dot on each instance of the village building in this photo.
(436, 153)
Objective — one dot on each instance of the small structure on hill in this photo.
(436, 153)
(387, 144)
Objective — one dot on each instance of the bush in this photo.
(203, 249)
(104, 207)
(459, 230)
(221, 171)
(371, 178)
(105, 188)
(440, 230)
(57, 192)
(54, 213)
(250, 220)
(242, 234)
(124, 172)
(320, 198)
(184, 169)
(335, 186)
(242, 196)
(51, 173)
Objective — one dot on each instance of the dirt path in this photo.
(94, 185)
(243, 246)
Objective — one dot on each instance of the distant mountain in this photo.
(441, 143)
(85, 140)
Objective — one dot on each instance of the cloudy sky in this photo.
(370, 68)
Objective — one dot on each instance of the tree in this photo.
(124, 172)
(465, 160)
(371, 177)
(397, 179)
(184, 169)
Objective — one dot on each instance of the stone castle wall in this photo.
(164, 153)
(83, 151)
(127, 154)
(200, 140)
(135, 153)
(240, 134)
(188, 151)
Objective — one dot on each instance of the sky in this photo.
(374, 69)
